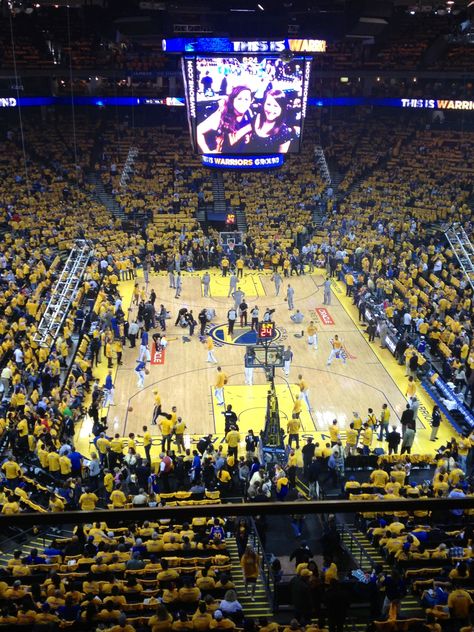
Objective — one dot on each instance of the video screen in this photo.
(247, 105)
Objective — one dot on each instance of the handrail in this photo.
(353, 540)
(186, 513)
(28, 533)
(80, 338)
(265, 571)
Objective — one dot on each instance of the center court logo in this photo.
(242, 336)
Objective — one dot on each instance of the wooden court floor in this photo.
(370, 378)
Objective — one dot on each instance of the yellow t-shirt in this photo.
(12, 469)
(87, 501)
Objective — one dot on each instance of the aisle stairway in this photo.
(410, 605)
(22, 543)
(101, 195)
(463, 249)
(258, 608)
(218, 192)
(367, 556)
(220, 204)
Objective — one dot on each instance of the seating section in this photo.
(150, 574)
(408, 38)
(433, 561)
(390, 200)
(53, 36)
(278, 207)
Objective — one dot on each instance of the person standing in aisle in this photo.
(210, 350)
(221, 381)
(287, 358)
(250, 563)
(290, 294)
(206, 282)
(327, 291)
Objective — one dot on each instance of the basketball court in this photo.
(369, 378)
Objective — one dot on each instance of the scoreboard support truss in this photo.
(268, 357)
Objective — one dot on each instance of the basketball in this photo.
(147, 372)
(130, 409)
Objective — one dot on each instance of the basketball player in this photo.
(156, 408)
(178, 284)
(327, 292)
(312, 335)
(304, 391)
(140, 371)
(238, 297)
(206, 281)
(287, 358)
(248, 373)
(290, 295)
(232, 284)
(277, 280)
(210, 350)
(221, 380)
(171, 276)
(336, 351)
(143, 353)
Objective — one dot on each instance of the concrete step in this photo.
(260, 606)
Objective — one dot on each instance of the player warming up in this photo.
(337, 351)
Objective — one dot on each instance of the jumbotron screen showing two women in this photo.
(246, 105)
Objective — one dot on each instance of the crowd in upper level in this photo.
(53, 37)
